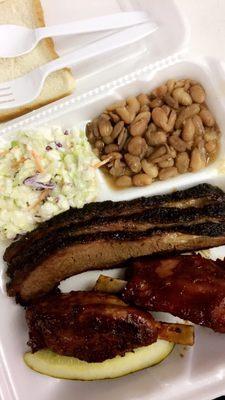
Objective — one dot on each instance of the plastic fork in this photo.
(23, 90)
(21, 40)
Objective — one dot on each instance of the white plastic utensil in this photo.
(23, 90)
(21, 40)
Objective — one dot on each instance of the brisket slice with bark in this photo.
(160, 218)
(105, 240)
(198, 196)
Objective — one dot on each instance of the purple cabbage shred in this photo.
(32, 181)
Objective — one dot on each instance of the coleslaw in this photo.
(44, 172)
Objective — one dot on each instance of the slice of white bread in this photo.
(59, 84)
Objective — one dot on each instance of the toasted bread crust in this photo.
(64, 74)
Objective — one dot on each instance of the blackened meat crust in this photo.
(207, 229)
(111, 234)
(201, 194)
(153, 219)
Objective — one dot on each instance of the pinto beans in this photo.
(141, 180)
(210, 134)
(167, 173)
(124, 181)
(197, 93)
(182, 97)
(143, 99)
(149, 168)
(188, 130)
(211, 146)
(157, 135)
(207, 117)
(105, 127)
(117, 129)
(133, 105)
(197, 161)
(199, 127)
(169, 162)
(156, 138)
(136, 145)
(182, 162)
(177, 143)
(99, 144)
(140, 124)
(159, 152)
(133, 162)
(125, 114)
(186, 113)
(160, 118)
(111, 148)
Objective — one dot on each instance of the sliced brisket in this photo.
(117, 232)
(198, 196)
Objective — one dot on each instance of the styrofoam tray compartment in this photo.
(194, 373)
(144, 80)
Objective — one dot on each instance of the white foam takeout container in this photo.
(194, 373)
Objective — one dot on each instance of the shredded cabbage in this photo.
(44, 172)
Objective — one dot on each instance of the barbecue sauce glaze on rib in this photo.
(190, 287)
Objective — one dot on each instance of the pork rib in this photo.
(189, 286)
